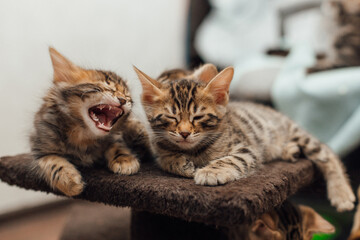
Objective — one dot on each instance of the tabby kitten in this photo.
(76, 125)
(342, 18)
(287, 222)
(197, 134)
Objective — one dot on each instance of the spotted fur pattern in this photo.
(197, 134)
(65, 137)
(287, 222)
(342, 18)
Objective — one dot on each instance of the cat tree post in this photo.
(160, 193)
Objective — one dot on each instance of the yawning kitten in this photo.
(75, 125)
(287, 222)
(197, 134)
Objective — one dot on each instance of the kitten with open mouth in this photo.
(85, 118)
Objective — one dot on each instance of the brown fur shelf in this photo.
(155, 191)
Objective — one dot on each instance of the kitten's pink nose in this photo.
(122, 101)
(184, 134)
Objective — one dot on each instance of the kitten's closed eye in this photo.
(171, 117)
(198, 117)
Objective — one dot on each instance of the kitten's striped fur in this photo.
(287, 222)
(65, 135)
(197, 134)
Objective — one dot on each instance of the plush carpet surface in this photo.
(158, 192)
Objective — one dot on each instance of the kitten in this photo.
(76, 125)
(355, 231)
(197, 134)
(342, 18)
(287, 222)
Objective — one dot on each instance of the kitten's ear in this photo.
(265, 227)
(205, 73)
(219, 86)
(313, 223)
(64, 70)
(151, 88)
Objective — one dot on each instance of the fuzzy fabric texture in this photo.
(156, 191)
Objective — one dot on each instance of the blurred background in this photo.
(277, 47)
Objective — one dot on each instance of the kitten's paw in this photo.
(342, 197)
(126, 165)
(178, 165)
(68, 181)
(212, 177)
(291, 152)
(188, 169)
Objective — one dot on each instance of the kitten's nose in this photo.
(122, 101)
(184, 134)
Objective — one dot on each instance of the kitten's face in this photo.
(186, 112)
(95, 100)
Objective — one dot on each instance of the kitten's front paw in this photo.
(341, 196)
(291, 152)
(212, 177)
(178, 165)
(188, 169)
(126, 165)
(68, 181)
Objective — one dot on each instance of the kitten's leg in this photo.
(136, 137)
(227, 169)
(61, 175)
(177, 164)
(338, 187)
(121, 160)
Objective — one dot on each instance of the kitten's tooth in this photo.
(110, 107)
(94, 117)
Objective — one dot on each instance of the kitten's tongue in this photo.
(105, 116)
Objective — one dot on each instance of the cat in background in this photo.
(85, 119)
(342, 22)
(287, 222)
(196, 133)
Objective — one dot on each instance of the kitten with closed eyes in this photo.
(197, 133)
(85, 119)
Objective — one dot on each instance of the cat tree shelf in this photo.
(158, 192)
